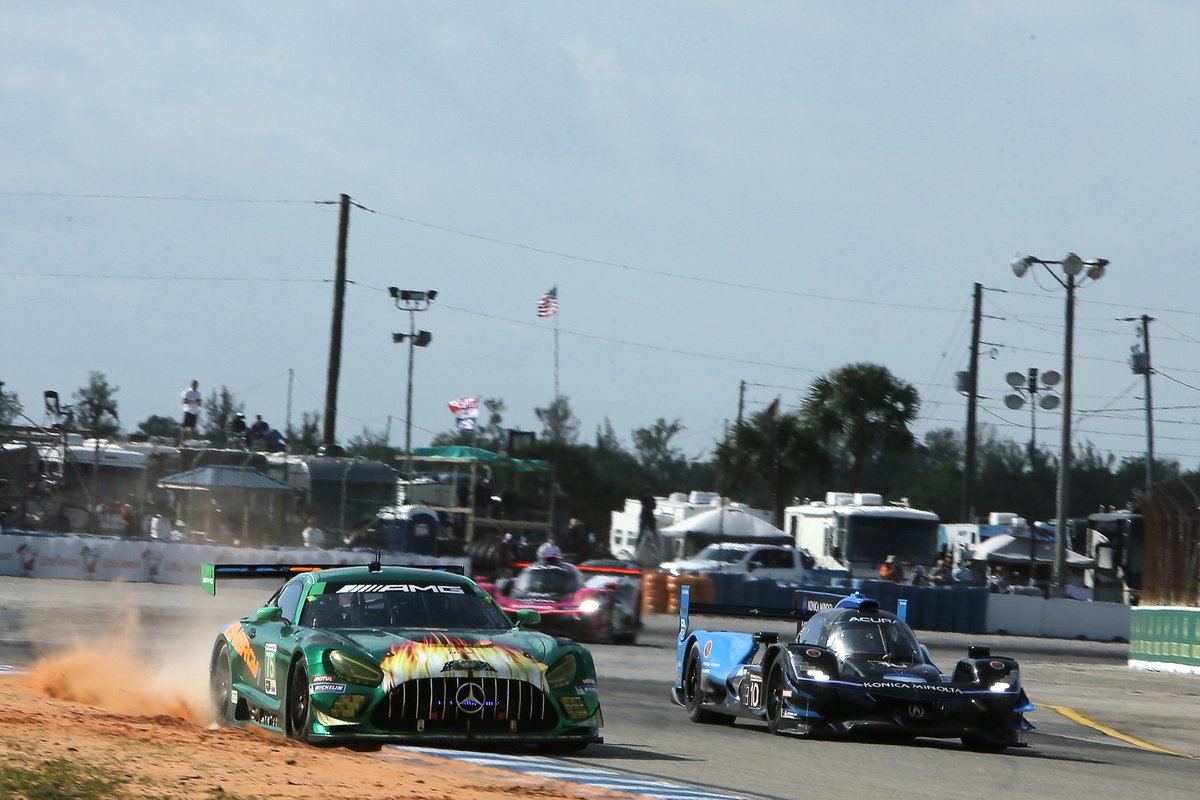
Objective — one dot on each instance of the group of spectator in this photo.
(943, 573)
(258, 435)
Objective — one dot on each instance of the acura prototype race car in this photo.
(851, 669)
(596, 601)
(365, 655)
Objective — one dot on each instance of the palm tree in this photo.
(769, 453)
(865, 409)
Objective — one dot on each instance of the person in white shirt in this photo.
(312, 536)
(192, 401)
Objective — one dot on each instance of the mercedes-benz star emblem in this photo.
(470, 698)
(916, 712)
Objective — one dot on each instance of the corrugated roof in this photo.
(224, 478)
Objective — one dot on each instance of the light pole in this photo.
(412, 302)
(1029, 385)
(1071, 265)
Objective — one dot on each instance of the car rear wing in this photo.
(805, 604)
(210, 572)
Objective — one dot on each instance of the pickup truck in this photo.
(760, 560)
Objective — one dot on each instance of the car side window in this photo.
(289, 598)
(811, 632)
(775, 559)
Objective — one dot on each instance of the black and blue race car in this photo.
(851, 669)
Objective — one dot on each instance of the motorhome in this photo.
(858, 531)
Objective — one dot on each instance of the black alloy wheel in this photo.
(299, 710)
(221, 686)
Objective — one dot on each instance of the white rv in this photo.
(859, 531)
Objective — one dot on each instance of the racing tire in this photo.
(298, 706)
(773, 698)
(692, 693)
(221, 687)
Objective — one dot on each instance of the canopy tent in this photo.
(229, 487)
(720, 524)
(1007, 548)
(461, 453)
(729, 521)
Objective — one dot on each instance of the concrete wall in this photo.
(1019, 615)
(107, 558)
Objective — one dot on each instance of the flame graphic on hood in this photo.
(427, 657)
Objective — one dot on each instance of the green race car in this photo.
(366, 655)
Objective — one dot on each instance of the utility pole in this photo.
(741, 400)
(968, 506)
(335, 337)
(1140, 362)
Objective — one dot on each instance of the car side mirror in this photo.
(268, 614)
(527, 616)
(753, 565)
(978, 651)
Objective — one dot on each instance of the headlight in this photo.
(562, 674)
(590, 606)
(999, 687)
(817, 675)
(353, 670)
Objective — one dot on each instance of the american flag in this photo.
(548, 303)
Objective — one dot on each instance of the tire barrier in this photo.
(654, 593)
(702, 589)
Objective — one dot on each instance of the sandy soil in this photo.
(162, 746)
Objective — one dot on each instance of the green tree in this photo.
(158, 425)
(866, 410)
(218, 412)
(96, 406)
(766, 457)
(654, 451)
(373, 445)
(305, 438)
(559, 425)
(10, 407)
(492, 432)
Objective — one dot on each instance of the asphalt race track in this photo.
(648, 737)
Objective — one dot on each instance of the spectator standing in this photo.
(312, 536)
(941, 574)
(258, 432)
(237, 428)
(963, 574)
(890, 570)
(646, 521)
(192, 401)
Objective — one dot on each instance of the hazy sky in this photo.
(721, 192)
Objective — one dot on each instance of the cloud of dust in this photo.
(123, 666)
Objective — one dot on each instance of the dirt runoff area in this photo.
(147, 742)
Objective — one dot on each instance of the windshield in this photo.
(402, 605)
(876, 638)
(874, 538)
(722, 554)
(556, 580)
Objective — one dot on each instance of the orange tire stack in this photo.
(654, 592)
(703, 590)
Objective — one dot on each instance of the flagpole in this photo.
(556, 394)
